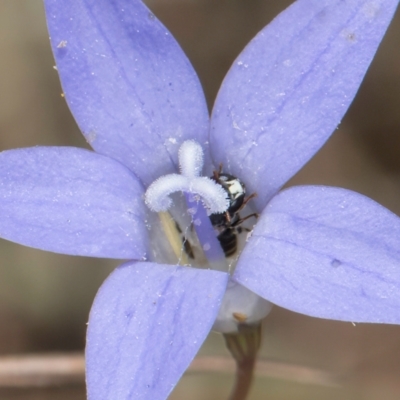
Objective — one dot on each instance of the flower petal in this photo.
(289, 89)
(131, 89)
(71, 201)
(146, 325)
(326, 252)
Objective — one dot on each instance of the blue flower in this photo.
(325, 252)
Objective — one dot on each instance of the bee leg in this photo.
(187, 247)
(178, 228)
(241, 220)
(246, 200)
(228, 217)
(218, 173)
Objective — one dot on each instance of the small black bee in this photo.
(228, 223)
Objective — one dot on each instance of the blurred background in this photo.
(45, 298)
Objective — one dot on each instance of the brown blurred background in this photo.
(45, 298)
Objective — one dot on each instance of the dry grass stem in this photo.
(45, 370)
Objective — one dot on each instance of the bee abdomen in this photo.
(228, 241)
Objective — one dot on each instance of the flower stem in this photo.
(243, 380)
(244, 346)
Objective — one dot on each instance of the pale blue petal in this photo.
(127, 82)
(289, 89)
(146, 325)
(71, 201)
(326, 252)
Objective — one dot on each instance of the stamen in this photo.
(175, 241)
(191, 163)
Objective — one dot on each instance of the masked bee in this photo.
(228, 223)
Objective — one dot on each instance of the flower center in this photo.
(210, 220)
(200, 219)
(202, 197)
